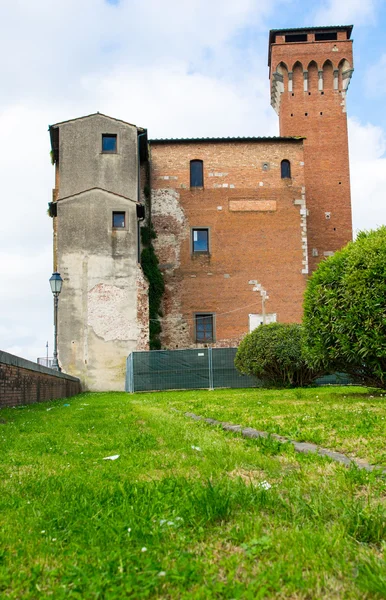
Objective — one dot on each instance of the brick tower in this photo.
(310, 71)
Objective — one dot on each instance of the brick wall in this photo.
(319, 114)
(257, 228)
(25, 382)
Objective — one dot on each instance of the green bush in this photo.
(345, 311)
(273, 354)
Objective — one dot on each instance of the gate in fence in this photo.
(206, 368)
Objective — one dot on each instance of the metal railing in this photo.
(45, 361)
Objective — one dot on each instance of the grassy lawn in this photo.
(351, 420)
(185, 512)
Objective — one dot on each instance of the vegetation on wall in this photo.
(345, 310)
(150, 266)
(273, 354)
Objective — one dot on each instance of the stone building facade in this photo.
(240, 222)
(103, 314)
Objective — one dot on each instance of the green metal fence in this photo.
(207, 368)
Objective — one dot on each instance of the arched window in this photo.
(285, 169)
(196, 173)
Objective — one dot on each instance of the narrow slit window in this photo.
(200, 240)
(109, 143)
(119, 220)
(196, 173)
(204, 328)
(285, 169)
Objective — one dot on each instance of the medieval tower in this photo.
(240, 222)
(310, 71)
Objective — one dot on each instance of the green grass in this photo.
(166, 520)
(351, 420)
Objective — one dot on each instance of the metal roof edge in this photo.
(227, 139)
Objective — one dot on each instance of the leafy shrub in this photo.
(345, 311)
(273, 353)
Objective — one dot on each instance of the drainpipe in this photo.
(138, 197)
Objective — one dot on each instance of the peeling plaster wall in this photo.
(254, 234)
(142, 310)
(102, 307)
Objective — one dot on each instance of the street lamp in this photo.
(56, 287)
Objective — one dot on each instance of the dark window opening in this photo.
(119, 220)
(204, 328)
(196, 173)
(200, 240)
(321, 114)
(109, 142)
(285, 169)
(306, 114)
(325, 37)
(296, 37)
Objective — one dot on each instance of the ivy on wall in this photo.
(150, 266)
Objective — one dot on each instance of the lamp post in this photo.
(56, 287)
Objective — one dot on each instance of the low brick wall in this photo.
(25, 382)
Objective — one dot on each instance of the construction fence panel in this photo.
(169, 370)
(225, 374)
(207, 368)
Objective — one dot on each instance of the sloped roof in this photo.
(93, 115)
(54, 133)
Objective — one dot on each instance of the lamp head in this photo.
(56, 283)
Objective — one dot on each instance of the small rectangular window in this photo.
(325, 37)
(204, 328)
(109, 142)
(119, 220)
(200, 240)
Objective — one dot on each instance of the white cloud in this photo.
(346, 12)
(178, 68)
(174, 103)
(169, 66)
(368, 175)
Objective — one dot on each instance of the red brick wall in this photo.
(263, 245)
(24, 382)
(321, 118)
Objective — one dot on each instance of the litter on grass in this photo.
(196, 448)
(66, 405)
(114, 457)
(264, 485)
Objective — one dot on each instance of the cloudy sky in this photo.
(178, 67)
